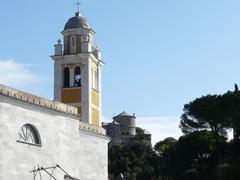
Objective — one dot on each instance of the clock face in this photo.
(28, 134)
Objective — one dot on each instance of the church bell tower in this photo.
(78, 69)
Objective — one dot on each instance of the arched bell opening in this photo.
(77, 76)
(66, 77)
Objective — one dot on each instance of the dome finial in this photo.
(78, 5)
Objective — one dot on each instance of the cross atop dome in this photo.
(78, 5)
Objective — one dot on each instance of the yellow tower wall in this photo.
(95, 117)
(95, 98)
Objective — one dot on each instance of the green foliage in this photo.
(231, 102)
(197, 156)
(139, 130)
(202, 153)
(213, 112)
(207, 112)
(134, 160)
(164, 145)
(194, 151)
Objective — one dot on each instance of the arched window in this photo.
(65, 45)
(77, 76)
(29, 134)
(73, 46)
(95, 79)
(66, 77)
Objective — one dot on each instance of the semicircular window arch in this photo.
(29, 134)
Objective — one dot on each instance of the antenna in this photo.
(78, 5)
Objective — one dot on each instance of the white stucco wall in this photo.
(81, 153)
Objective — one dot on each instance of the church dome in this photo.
(77, 22)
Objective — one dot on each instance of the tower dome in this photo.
(77, 22)
(127, 122)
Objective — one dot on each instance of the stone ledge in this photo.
(26, 97)
(54, 105)
(90, 127)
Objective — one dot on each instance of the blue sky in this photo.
(159, 54)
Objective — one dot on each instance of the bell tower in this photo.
(78, 70)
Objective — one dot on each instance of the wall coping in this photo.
(50, 104)
(26, 97)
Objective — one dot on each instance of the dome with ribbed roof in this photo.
(124, 113)
(77, 22)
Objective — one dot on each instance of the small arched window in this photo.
(65, 45)
(29, 134)
(95, 79)
(73, 44)
(77, 76)
(66, 77)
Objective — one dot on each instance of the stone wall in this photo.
(80, 149)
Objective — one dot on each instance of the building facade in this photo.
(123, 130)
(62, 139)
(78, 70)
(127, 123)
